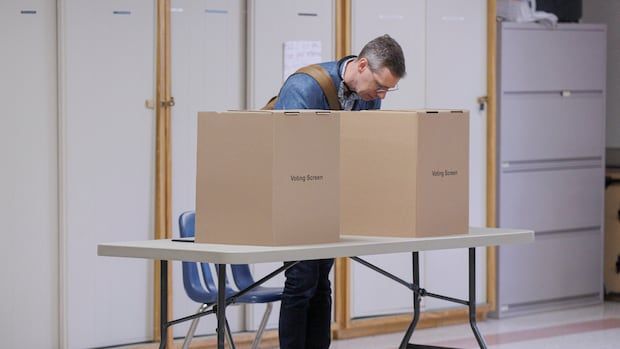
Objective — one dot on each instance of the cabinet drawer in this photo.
(539, 59)
(555, 266)
(543, 126)
(551, 199)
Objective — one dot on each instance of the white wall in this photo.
(608, 12)
(28, 175)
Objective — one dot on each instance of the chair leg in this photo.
(192, 327)
(231, 343)
(261, 327)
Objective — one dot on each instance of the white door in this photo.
(208, 60)
(444, 42)
(456, 76)
(404, 21)
(29, 175)
(108, 142)
(271, 25)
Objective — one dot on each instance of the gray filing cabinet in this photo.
(551, 126)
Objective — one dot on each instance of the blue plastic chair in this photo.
(207, 294)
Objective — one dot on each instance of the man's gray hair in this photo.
(384, 52)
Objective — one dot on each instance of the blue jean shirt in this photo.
(301, 91)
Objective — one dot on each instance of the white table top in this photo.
(349, 245)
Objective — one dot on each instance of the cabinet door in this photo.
(557, 265)
(546, 126)
(29, 175)
(552, 199)
(208, 73)
(405, 21)
(272, 23)
(576, 62)
(109, 142)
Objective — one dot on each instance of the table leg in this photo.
(472, 298)
(419, 292)
(221, 304)
(415, 260)
(163, 303)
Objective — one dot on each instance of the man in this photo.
(361, 83)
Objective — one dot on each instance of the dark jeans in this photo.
(305, 312)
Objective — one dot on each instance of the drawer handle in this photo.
(565, 93)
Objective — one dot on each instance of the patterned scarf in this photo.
(346, 97)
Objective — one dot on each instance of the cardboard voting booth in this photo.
(268, 177)
(404, 173)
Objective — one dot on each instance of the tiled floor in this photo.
(595, 327)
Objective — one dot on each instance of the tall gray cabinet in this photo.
(551, 126)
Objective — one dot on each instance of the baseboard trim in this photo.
(399, 323)
(358, 328)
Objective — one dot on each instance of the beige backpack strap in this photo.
(271, 104)
(325, 81)
(322, 77)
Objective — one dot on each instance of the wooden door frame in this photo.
(491, 197)
(163, 158)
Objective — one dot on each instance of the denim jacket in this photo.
(301, 91)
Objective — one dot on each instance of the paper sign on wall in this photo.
(298, 54)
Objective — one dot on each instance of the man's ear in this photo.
(362, 64)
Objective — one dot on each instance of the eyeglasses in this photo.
(380, 88)
(385, 89)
